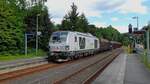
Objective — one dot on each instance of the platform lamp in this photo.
(37, 33)
(137, 19)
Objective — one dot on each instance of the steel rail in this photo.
(59, 81)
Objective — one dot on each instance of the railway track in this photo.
(4, 77)
(27, 71)
(87, 74)
(54, 71)
(21, 62)
(19, 73)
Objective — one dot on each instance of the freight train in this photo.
(69, 45)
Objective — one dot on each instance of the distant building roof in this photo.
(139, 32)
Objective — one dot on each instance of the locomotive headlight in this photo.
(52, 53)
(67, 47)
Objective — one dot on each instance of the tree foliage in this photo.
(11, 26)
(109, 33)
(143, 38)
(82, 24)
(73, 21)
(45, 26)
(18, 17)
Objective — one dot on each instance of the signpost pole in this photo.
(26, 44)
(37, 34)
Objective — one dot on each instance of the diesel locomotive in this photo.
(69, 45)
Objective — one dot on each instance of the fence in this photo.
(144, 55)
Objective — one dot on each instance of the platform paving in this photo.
(114, 73)
(136, 72)
(125, 69)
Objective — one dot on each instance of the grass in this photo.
(144, 59)
(21, 56)
(127, 49)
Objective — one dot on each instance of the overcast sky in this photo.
(117, 13)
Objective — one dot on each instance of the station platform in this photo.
(125, 69)
(136, 72)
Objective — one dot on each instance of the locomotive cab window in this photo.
(59, 36)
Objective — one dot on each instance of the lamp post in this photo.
(26, 44)
(37, 33)
(137, 19)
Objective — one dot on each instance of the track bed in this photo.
(68, 72)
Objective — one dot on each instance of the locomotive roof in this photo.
(80, 33)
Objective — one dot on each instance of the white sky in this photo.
(95, 10)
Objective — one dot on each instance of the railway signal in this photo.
(130, 28)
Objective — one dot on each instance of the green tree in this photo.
(71, 19)
(111, 33)
(92, 29)
(11, 27)
(47, 27)
(99, 32)
(82, 24)
(75, 22)
(44, 23)
(143, 39)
